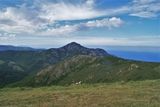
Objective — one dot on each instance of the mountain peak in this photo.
(74, 48)
(74, 44)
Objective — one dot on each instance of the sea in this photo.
(138, 53)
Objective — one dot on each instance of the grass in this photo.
(121, 94)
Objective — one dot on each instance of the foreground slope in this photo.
(130, 94)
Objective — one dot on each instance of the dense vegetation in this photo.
(10, 72)
(88, 69)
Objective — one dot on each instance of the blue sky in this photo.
(52, 23)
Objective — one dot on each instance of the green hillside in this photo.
(10, 72)
(89, 69)
(121, 94)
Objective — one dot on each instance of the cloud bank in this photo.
(36, 19)
(26, 19)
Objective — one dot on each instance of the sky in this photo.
(52, 23)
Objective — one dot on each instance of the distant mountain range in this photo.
(69, 64)
(15, 48)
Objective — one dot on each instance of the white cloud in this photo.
(138, 8)
(90, 2)
(144, 14)
(143, 1)
(106, 22)
(18, 20)
(34, 19)
(68, 11)
(145, 8)
(7, 36)
(23, 19)
(63, 30)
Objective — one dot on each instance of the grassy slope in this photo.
(97, 70)
(131, 94)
